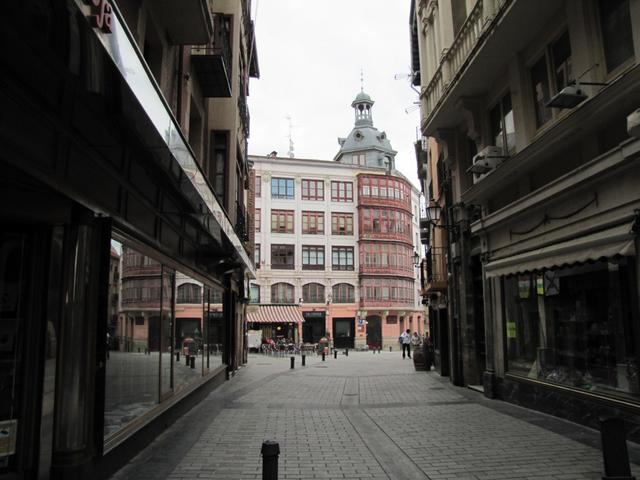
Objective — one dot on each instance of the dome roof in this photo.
(362, 98)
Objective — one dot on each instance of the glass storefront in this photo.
(575, 326)
(164, 340)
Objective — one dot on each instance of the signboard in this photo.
(8, 431)
(511, 329)
(551, 283)
(101, 14)
(360, 322)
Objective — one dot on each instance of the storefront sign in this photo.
(511, 329)
(101, 14)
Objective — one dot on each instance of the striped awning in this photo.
(275, 314)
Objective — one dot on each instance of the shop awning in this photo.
(276, 314)
(603, 244)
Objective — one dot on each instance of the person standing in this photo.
(406, 343)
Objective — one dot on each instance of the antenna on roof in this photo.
(290, 153)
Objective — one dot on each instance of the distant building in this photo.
(337, 240)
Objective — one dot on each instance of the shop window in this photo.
(341, 223)
(282, 188)
(254, 293)
(282, 257)
(343, 293)
(312, 189)
(617, 35)
(313, 223)
(341, 191)
(312, 257)
(342, 258)
(282, 221)
(313, 293)
(282, 293)
(575, 326)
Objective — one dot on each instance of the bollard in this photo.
(293, 362)
(193, 361)
(346, 352)
(270, 451)
(335, 353)
(389, 348)
(304, 360)
(177, 356)
(323, 356)
(614, 449)
(379, 350)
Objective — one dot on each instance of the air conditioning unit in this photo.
(485, 162)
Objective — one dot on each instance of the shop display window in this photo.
(575, 326)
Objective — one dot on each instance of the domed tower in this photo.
(365, 145)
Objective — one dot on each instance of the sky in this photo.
(311, 55)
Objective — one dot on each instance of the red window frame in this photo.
(312, 222)
(341, 191)
(312, 189)
(284, 221)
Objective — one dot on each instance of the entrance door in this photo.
(23, 302)
(313, 329)
(374, 331)
(441, 342)
(344, 332)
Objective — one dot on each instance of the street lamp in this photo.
(416, 259)
(434, 212)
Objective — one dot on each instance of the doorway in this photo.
(374, 331)
(313, 329)
(344, 332)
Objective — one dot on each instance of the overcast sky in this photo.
(310, 56)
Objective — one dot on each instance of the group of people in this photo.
(411, 342)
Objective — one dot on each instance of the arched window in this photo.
(282, 293)
(313, 293)
(343, 293)
(189, 293)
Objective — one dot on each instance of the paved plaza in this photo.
(364, 416)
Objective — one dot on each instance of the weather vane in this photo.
(361, 80)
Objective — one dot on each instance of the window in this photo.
(254, 293)
(258, 186)
(313, 293)
(282, 188)
(312, 189)
(545, 83)
(312, 257)
(282, 257)
(342, 258)
(282, 221)
(256, 255)
(563, 326)
(503, 129)
(218, 164)
(282, 293)
(343, 293)
(359, 159)
(342, 223)
(189, 293)
(617, 36)
(341, 191)
(313, 223)
(257, 219)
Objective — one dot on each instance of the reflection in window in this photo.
(575, 326)
(189, 293)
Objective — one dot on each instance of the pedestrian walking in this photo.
(405, 340)
(415, 341)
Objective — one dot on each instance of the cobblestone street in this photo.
(364, 416)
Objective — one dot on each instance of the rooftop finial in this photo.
(361, 80)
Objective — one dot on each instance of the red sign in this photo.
(101, 14)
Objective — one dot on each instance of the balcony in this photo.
(242, 223)
(243, 110)
(493, 33)
(436, 280)
(187, 22)
(213, 61)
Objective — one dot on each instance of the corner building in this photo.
(337, 242)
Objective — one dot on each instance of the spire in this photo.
(361, 80)
(362, 108)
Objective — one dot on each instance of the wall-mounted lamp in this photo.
(434, 212)
(416, 259)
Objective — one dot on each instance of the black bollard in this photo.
(614, 449)
(193, 361)
(270, 452)
(346, 352)
(379, 349)
(177, 356)
(304, 360)
(138, 349)
(389, 348)
(323, 356)
(293, 362)
(335, 353)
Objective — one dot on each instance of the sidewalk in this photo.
(365, 416)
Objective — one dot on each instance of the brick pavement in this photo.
(364, 416)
